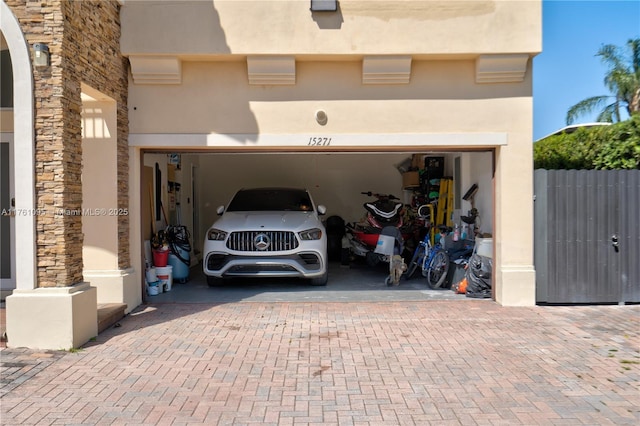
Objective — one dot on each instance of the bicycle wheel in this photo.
(416, 261)
(437, 270)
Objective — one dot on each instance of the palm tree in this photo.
(623, 81)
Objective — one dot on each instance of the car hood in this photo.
(255, 221)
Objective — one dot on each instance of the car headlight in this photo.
(216, 235)
(311, 234)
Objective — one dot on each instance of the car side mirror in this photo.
(220, 210)
(321, 209)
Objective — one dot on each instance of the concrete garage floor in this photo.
(359, 282)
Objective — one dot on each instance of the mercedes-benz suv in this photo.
(267, 232)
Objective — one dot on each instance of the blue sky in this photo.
(567, 71)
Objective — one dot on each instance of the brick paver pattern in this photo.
(467, 362)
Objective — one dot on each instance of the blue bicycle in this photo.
(432, 259)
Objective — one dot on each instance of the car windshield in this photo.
(271, 199)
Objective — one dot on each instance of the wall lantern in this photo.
(41, 55)
(324, 5)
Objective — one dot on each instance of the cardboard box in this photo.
(171, 173)
(410, 180)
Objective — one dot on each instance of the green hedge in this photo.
(602, 147)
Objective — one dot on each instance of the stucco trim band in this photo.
(328, 141)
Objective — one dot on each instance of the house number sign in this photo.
(319, 141)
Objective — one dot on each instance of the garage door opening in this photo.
(186, 188)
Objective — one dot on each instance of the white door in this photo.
(7, 223)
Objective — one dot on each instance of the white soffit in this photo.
(156, 69)
(508, 68)
(386, 69)
(271, 70)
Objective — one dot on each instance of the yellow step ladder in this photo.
(445, 203)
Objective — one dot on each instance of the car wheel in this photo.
(321, 280)
(214, 281)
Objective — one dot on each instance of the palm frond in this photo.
(610, 114)
(585, 106)
(610, 55)
(622, 80)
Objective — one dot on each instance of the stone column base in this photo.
(517, 286)
(52, 318)
(116, 286)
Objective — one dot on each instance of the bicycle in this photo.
(432, 259)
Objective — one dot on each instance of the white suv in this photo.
(267, 232)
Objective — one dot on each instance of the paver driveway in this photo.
(461, 362)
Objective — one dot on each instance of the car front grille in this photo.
(262, 241)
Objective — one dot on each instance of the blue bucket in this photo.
(180, 269)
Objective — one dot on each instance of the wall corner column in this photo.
(514, 271)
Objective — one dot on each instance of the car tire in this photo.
(214, 281)
(321, 280)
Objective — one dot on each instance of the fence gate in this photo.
(587, 236)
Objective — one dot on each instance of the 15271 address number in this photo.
(319, 141)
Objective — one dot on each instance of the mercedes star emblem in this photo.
(262, 242)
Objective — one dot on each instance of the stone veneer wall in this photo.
(84, 43)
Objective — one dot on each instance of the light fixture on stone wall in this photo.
(41, 55)
(324, 5)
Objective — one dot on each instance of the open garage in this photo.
(189, 187)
